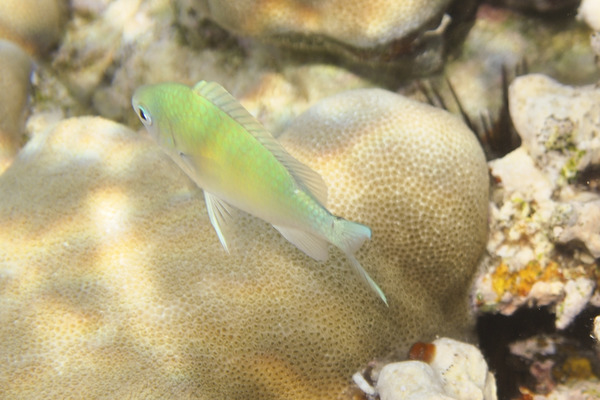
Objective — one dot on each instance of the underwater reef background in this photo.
(113, 283)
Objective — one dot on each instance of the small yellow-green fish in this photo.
(236, 162)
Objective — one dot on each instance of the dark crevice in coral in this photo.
(500, 136)
(206, 34)
(515, 375)
(589, 178)
(581, 329)
(494, 130)
(497, 331)
(557, 9)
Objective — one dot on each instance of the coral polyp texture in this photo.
(114, 283)
(417, 176)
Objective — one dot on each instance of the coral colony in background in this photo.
(114, 284)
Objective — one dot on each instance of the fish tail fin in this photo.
(349, 236)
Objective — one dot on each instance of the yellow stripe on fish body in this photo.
(236, 162)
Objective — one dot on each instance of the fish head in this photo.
(159, 109)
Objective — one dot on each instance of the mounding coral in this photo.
(15, 70)
(36, 25)
(114, 284)
(410, 36)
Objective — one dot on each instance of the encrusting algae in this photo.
(520, 282)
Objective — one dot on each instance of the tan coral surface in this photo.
(114, 285)
(413, 173)
(361, 23)
(15, 69)
(36, 25)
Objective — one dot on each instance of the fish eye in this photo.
(144, 115)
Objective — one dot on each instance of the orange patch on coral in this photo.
(422, 352)
(520, 282)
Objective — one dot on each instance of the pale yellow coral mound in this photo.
(15, 70)
(417, 176)
(114, 284)
(360, 23)
(36, 25)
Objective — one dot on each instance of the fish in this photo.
(237, 163)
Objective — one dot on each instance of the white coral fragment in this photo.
(559, 124)
(577, 295)
(540, 205)
(457, 371)
(589, 12)
(583, 225)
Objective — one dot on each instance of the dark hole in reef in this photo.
(554, 10)
(494, 128)
(589, 178)
(496, 332)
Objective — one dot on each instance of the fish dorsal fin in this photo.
(307, 178)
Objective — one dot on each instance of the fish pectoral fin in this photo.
(312, 245)
(220, 214)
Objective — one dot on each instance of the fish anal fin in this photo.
(307, 178)
(220, 215)
(310, 244)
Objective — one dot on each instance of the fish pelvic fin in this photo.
(349, 236)
(219, 214)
